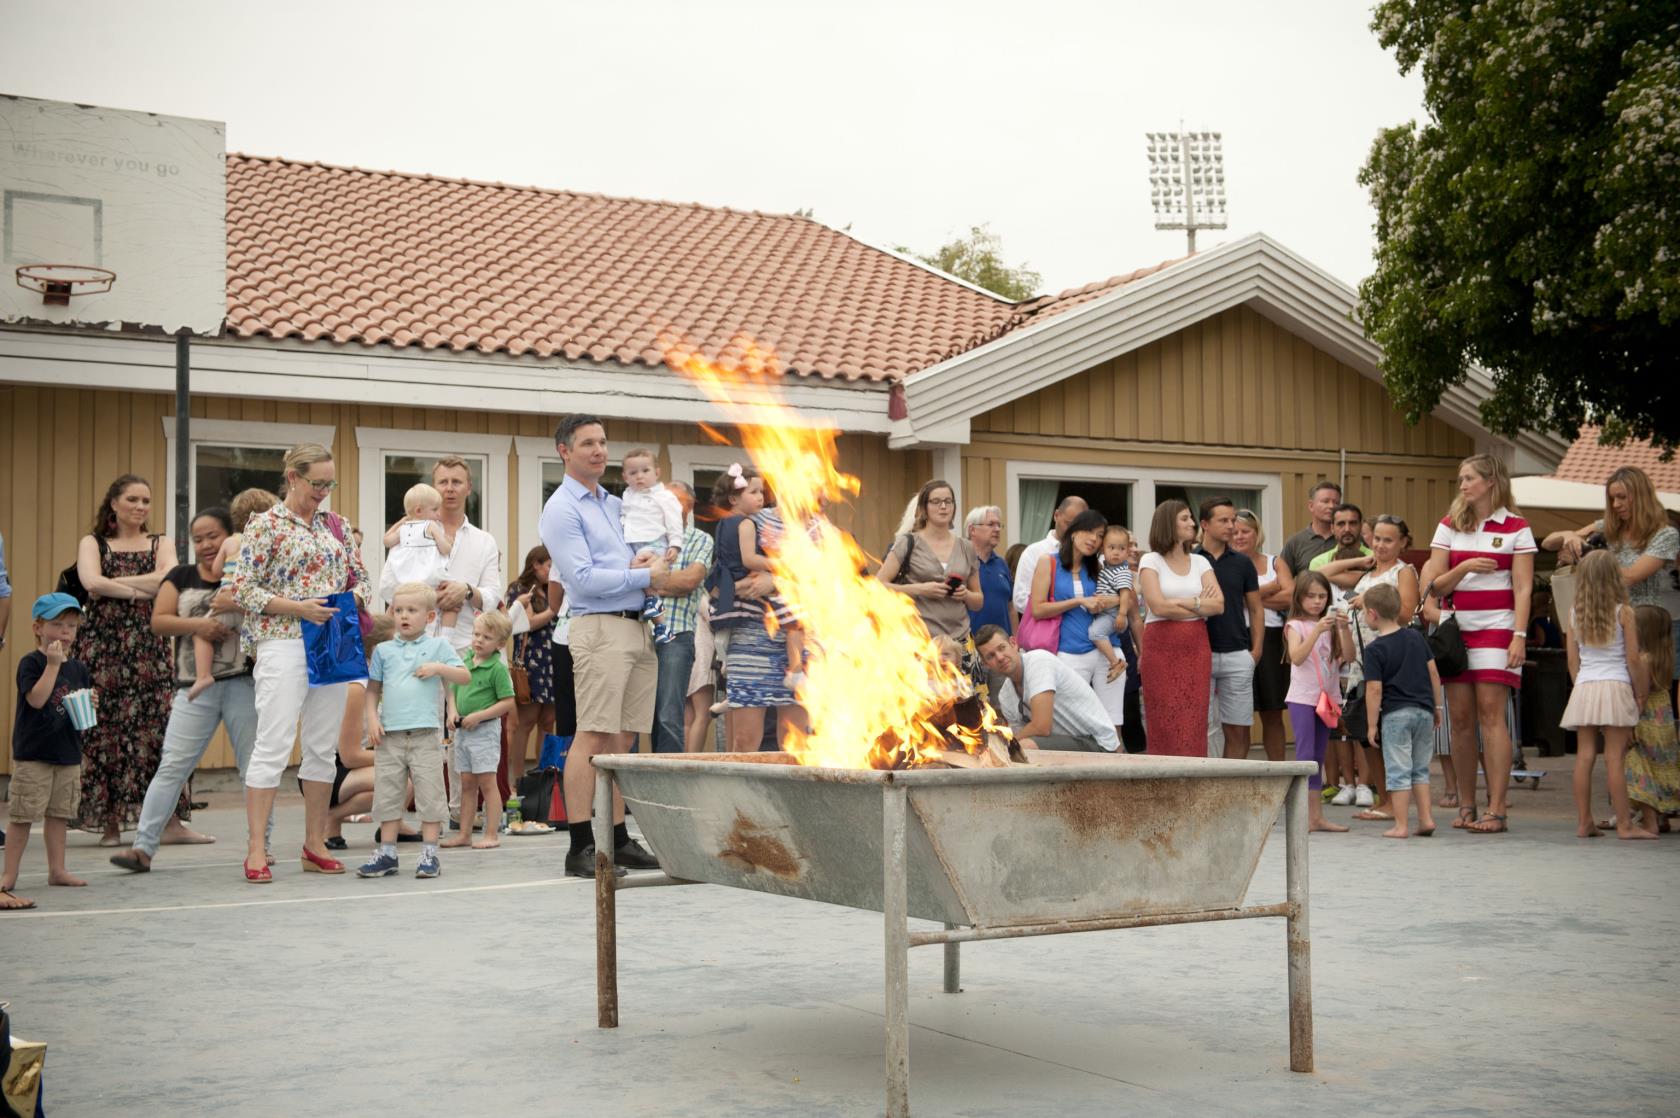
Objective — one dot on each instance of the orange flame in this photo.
(876, 688)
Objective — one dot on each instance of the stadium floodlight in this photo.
(1187, 181)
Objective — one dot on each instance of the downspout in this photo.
(1342, 481)
(183, 447)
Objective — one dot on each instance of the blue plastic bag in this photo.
(553, 755)
(333, 649)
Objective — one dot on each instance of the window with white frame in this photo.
(700, 466)
(391, 461)
(1128, 495)
(541, 471)
(229, 456)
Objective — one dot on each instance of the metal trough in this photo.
(1073, 842)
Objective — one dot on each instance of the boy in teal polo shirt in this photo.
(476, 710)
(405, 727)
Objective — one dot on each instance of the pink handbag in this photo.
(1043, 633)
(1329, 699)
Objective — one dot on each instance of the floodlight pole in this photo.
(183, 446)
(1189, 194)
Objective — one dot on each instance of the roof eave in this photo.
(1255, 271)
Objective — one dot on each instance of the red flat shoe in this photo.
(314, 863)
(258, 877)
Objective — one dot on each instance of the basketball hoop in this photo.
(57, 283)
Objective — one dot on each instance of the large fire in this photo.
(878, 693)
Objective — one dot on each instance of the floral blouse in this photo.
(282, 557)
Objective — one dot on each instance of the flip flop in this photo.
(1481, 828)
(131, 862)
(1373, 815)
(17, 903)
(1466, 817)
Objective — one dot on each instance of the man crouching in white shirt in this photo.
(1044, 702)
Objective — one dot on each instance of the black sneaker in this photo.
(634, 856)
(336, 842)
(582, 864)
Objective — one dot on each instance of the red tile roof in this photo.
(341, 254)
(1589, 462)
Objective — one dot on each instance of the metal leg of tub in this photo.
(606, 905)
(1300, 931)
(895, 890)
(953, 965)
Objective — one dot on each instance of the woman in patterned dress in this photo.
(293, 557)
(533, 651)
(1483, 557)
(121, 566)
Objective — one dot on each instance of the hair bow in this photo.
(734, 471)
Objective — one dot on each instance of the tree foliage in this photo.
(1530, 225)
(978, 258)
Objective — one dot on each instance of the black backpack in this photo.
(70, 579)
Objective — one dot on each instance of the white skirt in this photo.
(1605, 702)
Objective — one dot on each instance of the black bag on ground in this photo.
(542, 798)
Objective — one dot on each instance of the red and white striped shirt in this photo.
(1486, 604)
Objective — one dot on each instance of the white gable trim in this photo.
(1255, 271)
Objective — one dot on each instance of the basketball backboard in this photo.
(139, 194)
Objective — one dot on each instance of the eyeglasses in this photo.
(942, 500)
(325, 485)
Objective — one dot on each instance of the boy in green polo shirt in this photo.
(476, 710)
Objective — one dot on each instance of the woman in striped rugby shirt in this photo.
(1483, 556)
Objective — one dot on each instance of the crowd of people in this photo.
(633, 619)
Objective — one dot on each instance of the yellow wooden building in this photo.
(1238, 370)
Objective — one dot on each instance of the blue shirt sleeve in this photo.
(376, 664)
(569, 545)
(444, 653)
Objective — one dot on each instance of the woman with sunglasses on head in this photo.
(294, 556)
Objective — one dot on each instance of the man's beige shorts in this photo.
(403, 756)
(44, 791)
(614, 673)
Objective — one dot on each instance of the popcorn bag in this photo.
(79, 705)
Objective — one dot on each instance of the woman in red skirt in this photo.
(1179, 592)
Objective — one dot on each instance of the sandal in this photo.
(133, 862)
(1466, 818)
(1490, 824)
(11, 902)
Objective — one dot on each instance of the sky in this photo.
(908, 121)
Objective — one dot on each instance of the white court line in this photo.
(37, 914)
(169, 867)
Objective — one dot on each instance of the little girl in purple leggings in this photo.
(1313, 660)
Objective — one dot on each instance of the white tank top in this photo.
(1603, 663)
(1274, 618)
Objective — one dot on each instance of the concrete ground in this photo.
(1531, 973)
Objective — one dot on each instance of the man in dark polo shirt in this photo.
(1319, 535)
(1235, 634)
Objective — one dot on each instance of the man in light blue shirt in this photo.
(614, 666)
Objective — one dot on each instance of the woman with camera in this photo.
(1635, 529)
(934, 567)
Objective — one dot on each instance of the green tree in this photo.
(1531, 225)
(978, 258)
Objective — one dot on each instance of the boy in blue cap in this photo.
(46, 746)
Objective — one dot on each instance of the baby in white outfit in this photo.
(653, 525)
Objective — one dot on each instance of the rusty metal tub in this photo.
(1073, 842)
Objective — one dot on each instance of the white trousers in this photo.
(289, 712)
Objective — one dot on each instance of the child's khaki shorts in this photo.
(403, 756)
(44, 791)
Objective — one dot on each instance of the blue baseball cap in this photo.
(49, 606)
